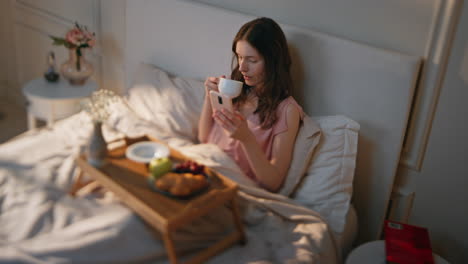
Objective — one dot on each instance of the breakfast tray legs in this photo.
(237, 235)
(178, 214)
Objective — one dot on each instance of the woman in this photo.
(260, 134)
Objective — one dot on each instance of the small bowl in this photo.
(145, 151)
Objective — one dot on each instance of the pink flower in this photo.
(90, 39)
(75, 36)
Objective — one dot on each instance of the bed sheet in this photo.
(41, 223)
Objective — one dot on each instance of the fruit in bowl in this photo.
(159, 166)
(181, 184)
(189, 166)
(187, 178)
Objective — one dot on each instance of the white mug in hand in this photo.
(229, 87)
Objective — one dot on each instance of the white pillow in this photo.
(327, 187)
(171, 102)
(307, 139)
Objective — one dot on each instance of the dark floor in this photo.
(13, 119)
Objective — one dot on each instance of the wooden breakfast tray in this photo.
(128, 180)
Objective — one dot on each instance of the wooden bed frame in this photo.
(333, 76)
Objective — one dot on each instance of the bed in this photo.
(357, 99)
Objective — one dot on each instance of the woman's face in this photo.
(251, 63)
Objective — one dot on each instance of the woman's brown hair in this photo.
(266, 36)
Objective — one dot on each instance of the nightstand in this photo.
(52, 101)
(374, 253)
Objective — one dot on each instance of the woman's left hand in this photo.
(234, 123)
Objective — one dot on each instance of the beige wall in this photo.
(113, 41)
(402, 25)
(4, 47)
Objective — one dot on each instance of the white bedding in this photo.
(40, 223)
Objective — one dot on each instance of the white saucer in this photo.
(145, 151)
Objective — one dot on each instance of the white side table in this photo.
(53, 101)
(374, 253)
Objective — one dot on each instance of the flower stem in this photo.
(78, 55)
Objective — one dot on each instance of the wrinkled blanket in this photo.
(41, 223)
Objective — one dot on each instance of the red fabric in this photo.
(407, 244)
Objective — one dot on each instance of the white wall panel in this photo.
(33, 42)
(67, 11)
(34, 22)
(401, 25)
(432, 75)
(441, 196)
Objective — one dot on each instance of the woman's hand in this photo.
(206, 118)
(234, 123)
(211, 84)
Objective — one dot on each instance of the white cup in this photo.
(229, 87)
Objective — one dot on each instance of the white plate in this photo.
(145, 151)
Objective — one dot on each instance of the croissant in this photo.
(181, 184)
(167, 181)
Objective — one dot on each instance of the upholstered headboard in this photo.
(332, 76)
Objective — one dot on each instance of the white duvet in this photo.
(41, 223)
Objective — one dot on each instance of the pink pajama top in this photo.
(264, 137)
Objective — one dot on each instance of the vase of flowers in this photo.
(97, 107)
(96, 149)
(76, 69)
